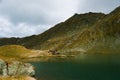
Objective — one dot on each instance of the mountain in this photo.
(89, 33)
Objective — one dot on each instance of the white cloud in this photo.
(38, 11)
(105, 6)
(22, 18)
(7, 29)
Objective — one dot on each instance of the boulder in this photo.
(3, 68)
(19, 68)
(16, 68)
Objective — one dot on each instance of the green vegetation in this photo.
(12, 51)
(90, 33)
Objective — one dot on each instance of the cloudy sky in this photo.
(20, 18)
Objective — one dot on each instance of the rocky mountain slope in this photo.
(89, 32)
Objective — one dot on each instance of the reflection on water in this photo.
(82, 67)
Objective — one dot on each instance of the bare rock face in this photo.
(16, 68)
(19, 68)
(3, 68)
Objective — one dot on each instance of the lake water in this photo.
(82, 67)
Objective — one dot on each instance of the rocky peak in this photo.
(117, 10)
(84, 18)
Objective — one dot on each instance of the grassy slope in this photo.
(100, 36)
(109, 34)
(62, 30)
(17, 52)
(91, 32)
(65, 32)
(13, 51)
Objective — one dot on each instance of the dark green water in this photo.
(82, 67)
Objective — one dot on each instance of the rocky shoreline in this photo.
(16, 69)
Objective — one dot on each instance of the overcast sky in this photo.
(20, 18)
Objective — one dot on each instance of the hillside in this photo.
(89, 32)
(17, 52)
(13, 51)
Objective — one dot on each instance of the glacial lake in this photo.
(82, 67)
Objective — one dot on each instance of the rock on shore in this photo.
(16, 68)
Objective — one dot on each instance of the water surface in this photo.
(82, 67)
